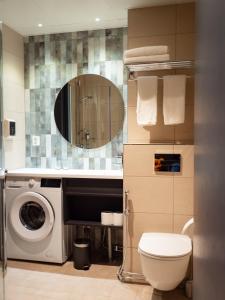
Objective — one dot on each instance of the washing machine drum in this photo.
(31, 216)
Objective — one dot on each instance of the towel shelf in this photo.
(165, 65)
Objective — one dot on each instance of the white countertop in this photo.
(63, 173)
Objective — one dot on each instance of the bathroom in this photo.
(98, 197)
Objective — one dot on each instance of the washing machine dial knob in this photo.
(31, 183)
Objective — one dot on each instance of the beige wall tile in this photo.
(139, 159)
(140, 179)
(159, 133)
(185, 47)
(19, 117)
(190, 91)
(14, 151)
(149, 21)
(150, 194)
(13, 68)
(184, 133)
(168, 40)
(190, 85)
(186, 18)
(183, 196)
(187, 160)
(179, 222)
(136, 133)
(14, 95)
(13, 42)
(132, 93)
(144, 222)
(133, 262)
(162, 134)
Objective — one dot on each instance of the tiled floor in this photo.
(96, 271)
(100, 283)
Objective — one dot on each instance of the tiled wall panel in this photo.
(173, 26)
(13, 97)
(158, 202)
(52, 60)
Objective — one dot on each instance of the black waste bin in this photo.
(81, 254)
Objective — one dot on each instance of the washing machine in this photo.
(35, 227)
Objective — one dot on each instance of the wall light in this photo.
(40, 25)
(97, 19)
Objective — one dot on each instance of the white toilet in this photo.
(165, 258)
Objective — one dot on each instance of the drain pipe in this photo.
(122, 275)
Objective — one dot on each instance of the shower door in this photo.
(2, 202)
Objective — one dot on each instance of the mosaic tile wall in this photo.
(52, 60)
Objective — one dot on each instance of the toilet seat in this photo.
(165, 246)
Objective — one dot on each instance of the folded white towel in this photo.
(146, 51)
(147, 100)
(146, 59)
(174, 99)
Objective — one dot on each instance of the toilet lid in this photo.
(165, 244)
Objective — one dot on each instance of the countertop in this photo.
(64, 173)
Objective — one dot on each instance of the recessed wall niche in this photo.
(52, 60)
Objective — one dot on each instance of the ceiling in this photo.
(69, 15)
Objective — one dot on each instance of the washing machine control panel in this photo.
(32, 183)
(15, 184)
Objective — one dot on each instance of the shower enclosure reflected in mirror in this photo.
(89, 111)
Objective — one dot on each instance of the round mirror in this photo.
(89, 111)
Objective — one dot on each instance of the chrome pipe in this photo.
(122, 275)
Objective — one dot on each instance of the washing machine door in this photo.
(31, 216)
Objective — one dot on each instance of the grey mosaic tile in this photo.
(28, 162)
(85, 50)
(31, 54)
(63, 52)
(114, 48)
(39, 38)
(28, 143)
(39, 53)
(47, 99)
(47, 55)
(52, 60)
(69, 52)
(74, 35)
(69, 72)
(43, 145)
(37, 77)
(35, 162)
(74, 50)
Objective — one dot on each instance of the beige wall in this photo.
(174, 26)
(161, 203)
(13, 96)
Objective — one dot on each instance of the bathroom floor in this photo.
(96, 271)
(51, 282)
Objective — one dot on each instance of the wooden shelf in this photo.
(89, 223)
(92, 194)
